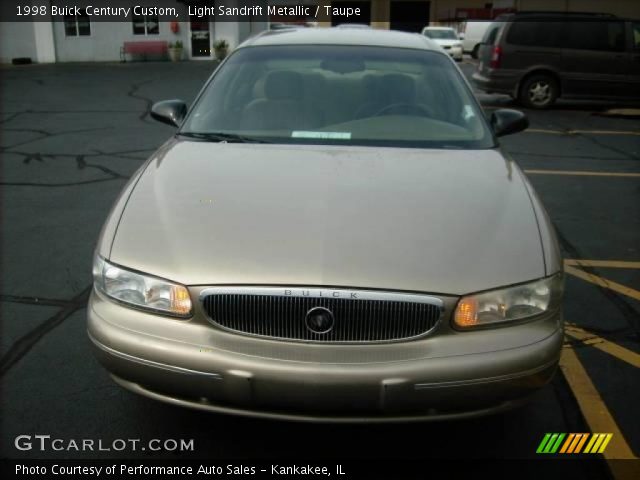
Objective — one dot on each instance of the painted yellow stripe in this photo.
(603, 282)
(605, 443)
(592, 406)
(579, 446)
(567, 442)
(581, 173)
(590, 444)
(587, 338)
(582, 132)
(601, 263)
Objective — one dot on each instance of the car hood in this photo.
(440, 221)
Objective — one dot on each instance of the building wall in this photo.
(17, 39)
(446, 9)
(106, 39)
(623, 8)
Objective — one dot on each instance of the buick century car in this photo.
(332, 233)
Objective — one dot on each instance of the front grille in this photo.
(366, 317)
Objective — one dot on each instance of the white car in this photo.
(447, 38)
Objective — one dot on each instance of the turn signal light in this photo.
(467, 312)
(180, 300)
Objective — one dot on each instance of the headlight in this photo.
(509, 304)
(141, 291)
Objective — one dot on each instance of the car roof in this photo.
(342, 36)
(439, 28)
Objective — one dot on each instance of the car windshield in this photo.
(441, 34)
(347, 95)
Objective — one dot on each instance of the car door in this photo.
(534, 43)
(596, 60)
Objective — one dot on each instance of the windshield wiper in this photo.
(222, 137)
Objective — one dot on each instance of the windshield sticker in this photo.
(468, 112)
(325, 135)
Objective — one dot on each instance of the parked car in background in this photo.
(447, 38)
(473, 32)
(539, 57)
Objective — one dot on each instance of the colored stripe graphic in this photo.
(574, 443)
(581, 443)
(567, 443)
(543, 443)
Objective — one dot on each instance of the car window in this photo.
(441, 34)
(536, 34)
(351, 95)
(636, 36)
(596, 35)
(491, 34)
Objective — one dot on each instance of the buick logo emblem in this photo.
(319, 320)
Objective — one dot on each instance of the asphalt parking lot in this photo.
(70, 136)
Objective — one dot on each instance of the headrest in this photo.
(283, 85)
(400, 88)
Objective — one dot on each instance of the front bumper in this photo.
(444, 375)
(455, 53)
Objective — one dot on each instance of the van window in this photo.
(491, 34)
(636, 36)
(596, 35)
(536, 34)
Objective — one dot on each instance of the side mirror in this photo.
(506, 122)
(171, 112)
(461, 36)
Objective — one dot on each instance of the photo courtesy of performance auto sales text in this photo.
(181, 470)
(295, 239)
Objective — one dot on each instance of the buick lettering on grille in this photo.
(355, 315)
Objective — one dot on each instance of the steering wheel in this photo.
(411, 108)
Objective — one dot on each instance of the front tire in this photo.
(539, 91)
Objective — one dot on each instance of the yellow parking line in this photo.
(583, 132)
(595, 411)
(603, 282)
(582, 173)
(593, 340)
(601, 263)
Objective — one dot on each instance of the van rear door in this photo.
(485, 51)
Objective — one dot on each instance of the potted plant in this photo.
(175, 51)
(221, 49)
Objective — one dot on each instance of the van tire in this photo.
(474, 52)
(539, 91)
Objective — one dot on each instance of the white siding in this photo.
(17, 39)
(106, 39)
